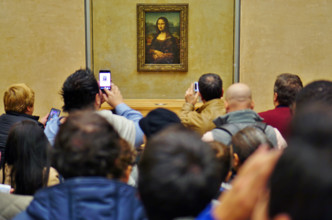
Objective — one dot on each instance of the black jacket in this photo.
(6, 122)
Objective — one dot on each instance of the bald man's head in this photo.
(238, 97)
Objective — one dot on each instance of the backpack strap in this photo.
(260, 125)
(230, 129)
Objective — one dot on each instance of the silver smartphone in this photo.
(196, 87)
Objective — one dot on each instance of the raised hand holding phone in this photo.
(191, 96)
(105, 80)
(113, 97)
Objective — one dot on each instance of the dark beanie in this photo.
(156, 120)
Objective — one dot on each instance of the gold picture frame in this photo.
(162, 37)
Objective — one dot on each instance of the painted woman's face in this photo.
(161, 25)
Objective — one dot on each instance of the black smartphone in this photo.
(105, 80)
(196, 87)
(53, 113)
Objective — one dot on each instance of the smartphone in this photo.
(53, 113)
(196, 87)
(105, 80)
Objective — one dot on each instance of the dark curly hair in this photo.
(79, 90)
(287, 86)
(86, 145)
(126, 158)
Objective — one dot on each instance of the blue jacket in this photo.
(86, 198)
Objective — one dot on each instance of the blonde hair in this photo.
(18, 97)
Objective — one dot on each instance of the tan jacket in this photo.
(201, 119)
(53, 177)
(11, 205)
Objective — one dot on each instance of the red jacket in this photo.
(280, 118)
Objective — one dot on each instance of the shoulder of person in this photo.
(113, 118)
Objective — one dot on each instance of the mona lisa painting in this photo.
(162, 41)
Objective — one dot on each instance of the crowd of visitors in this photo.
(221, 161)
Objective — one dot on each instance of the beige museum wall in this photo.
(210, 48)
(42, 42)
(284, 36)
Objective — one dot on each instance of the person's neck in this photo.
(28, 112)
(83, 109)
(237, 109)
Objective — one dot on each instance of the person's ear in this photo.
(275, 99)
(252, 105)
(226, 105)
(222, 93)
(97, 101)
(236, 161)
(275, 96)
(29, 110)
(200, 95)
